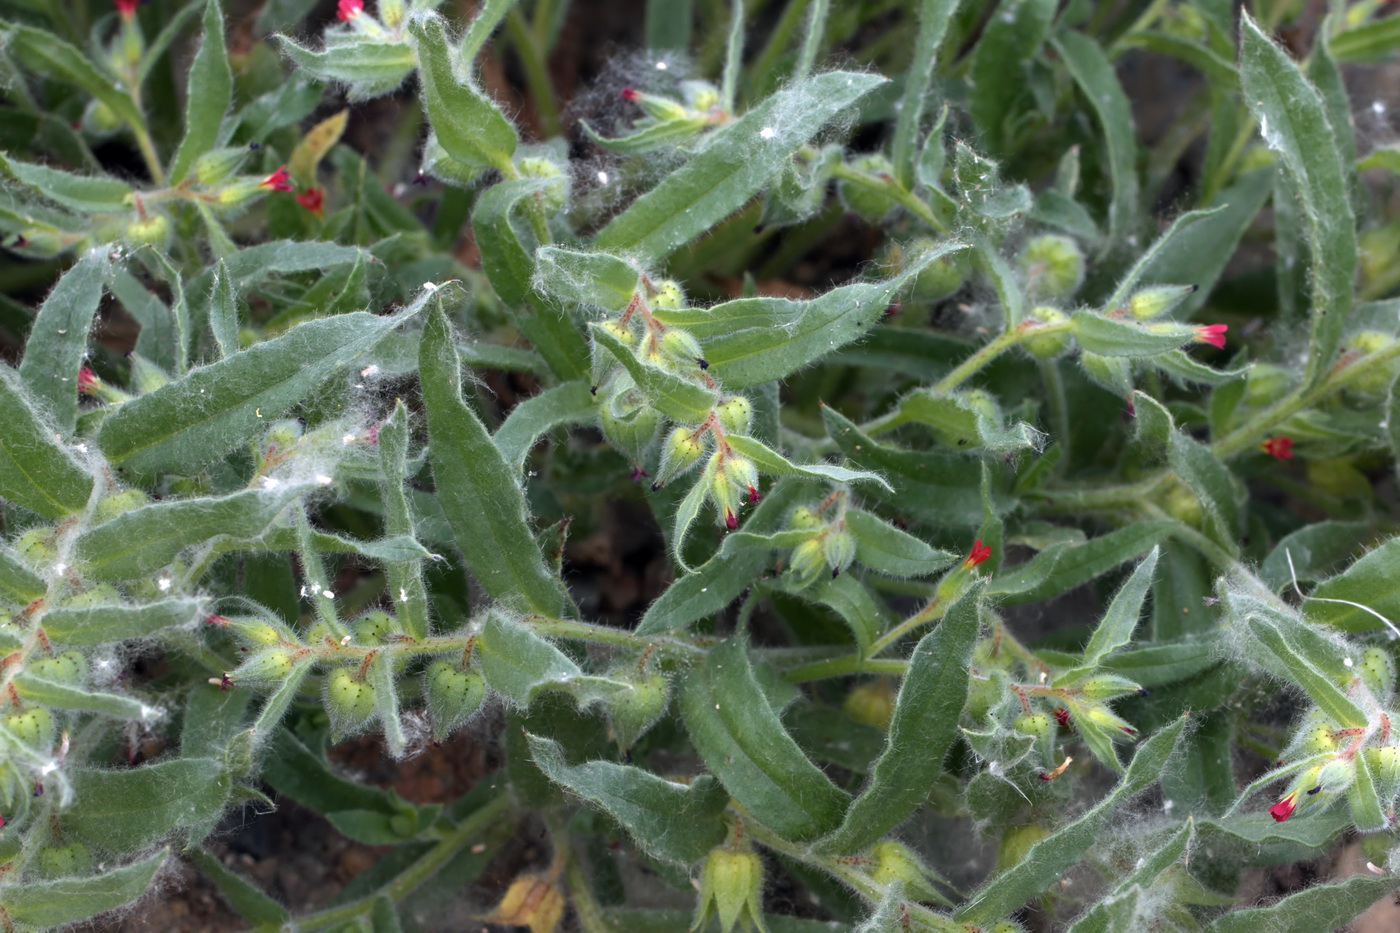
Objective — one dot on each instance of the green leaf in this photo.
(249, 900)
(1049, 859)
(37, 471)
(1319, 688)
(673, 395)
(883, 547)
(146, 539)
(1372, 582)
(686, 512)
(88, 194)
(100, 625)
(477, 488)
(745, 745)
(58, 340)
(934, 16)
(924, 726)
(1108, 336)
(771, 462)
(517, 663)
(508, 264)
(48, 904)
(958, 421)
(66, 696)
(1213, 483)
(405, 575)
(1097, 918)
(470, 127)
(1321, 907)
(207, 95)
(44, 52)
(599, 280)
(371, 67)
(18, 584)
(853, 602)
(756, 340)
(125, 810)
(1376, 41)
(1093, 72)
(569, 403)
(192, 421)
(1000, 68)
(1293, 122)
(1116, 628)
(1310, 554)
(1076, 564)
(1165, 662)
(676, 823)
(737, 161)
(223, 312)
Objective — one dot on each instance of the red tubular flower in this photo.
(630, 94)
(753, 495)
(313, 199)
(979, 553)
(1213, 334)
(347, 10)
(1062, 717)
(86, 380)
(279, 180)
(1280, 448)
(731, 521)
(1284, 808)
(127, 8)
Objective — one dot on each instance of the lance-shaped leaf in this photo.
(146, 539)
(1109, 336)
(406, 587)
(745, 745)
(52, 904)
(370, 67)
(99, 625)
(1098, 919)
(673, 395)
(960, 421)
(517, 663)
(207, 96)
(883, 547)
(570, 403)
(1116, 628)
(924, 726)
(477, 488)
(599, 280)
(1366, 591)
(190, 422)
(775, 464)
(686, 512)
(66, 696)
(673, 822)
(1321, 907)
(471, 128)
(125, 810)
(735, 164)
(37, 471)
(1319, 688)
(44, 52)
(751, 341)
(1293, 122)
(89, 194)
(1049, 859)
(58, 339)
(18, 584)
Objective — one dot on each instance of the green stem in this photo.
(1059, 407)
(843, 667)
(536, 74)
(892, 189)
(999, 345)
(764, 66)
(420, 871)
(145, 143)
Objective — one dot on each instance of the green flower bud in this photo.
(1375, 380)
(145, 375)
(660, 109)
(669, 296)
(374, 626)
(1335, 777)
(282, 435)
(744, 475)
(807, 561)
(1102, 717)
(556, 195)
(256, 633)
(216, 166)
(1184, 505)
(349, 702)
(268, 666)
(37, 547)
(700, 95)
(101, 120)
(152, 230)
(802, 518)
(839, 548)
(869, 203)
(679, 454)
(1039, 725)
(735, 414)
(872, 703)
(731, 889)
(391, 12)
(1114, 373)
(117, 503)
(602, 359)
(1053, 265)
(678, 345)
(1047, 346)
(240, 192)
(33, 727)
(895, 861)
(65, 861)
(1148, 303)
(1108, 687)
(938, 280)
(629, 424)
(632, 712)
(1385, 766)
(723, 492)
(1378, 672)
(1016, 843)
(70, 667)
(453, 695)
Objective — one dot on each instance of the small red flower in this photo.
(1284, 808)
(347, 10)
(1213, 334)
(87, 379)
(753, 495)
(631, 94)
(1062, 717)
(980, 552)
(279, 180)
(313, 199)
(1280, 448)
(731, 521)
(127, 8)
